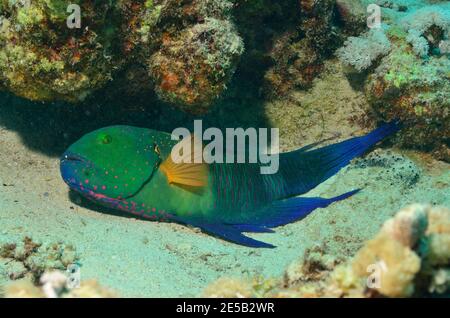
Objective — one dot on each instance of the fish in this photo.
(131, 169)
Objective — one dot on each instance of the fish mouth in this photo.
(69, 163)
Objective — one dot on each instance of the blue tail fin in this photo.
(305, 168)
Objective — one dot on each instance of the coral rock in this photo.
(229, 288)
(408, 225)
(396, 264)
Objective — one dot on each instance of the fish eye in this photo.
(105, 139)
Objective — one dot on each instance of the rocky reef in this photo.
(287, 42)
(410, 256)
(403, 68)
(186, 50)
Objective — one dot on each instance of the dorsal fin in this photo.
(185, 165)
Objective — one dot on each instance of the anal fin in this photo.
(281, 212)
(294, 209)
(231, 233)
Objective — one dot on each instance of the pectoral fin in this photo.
(188, 169)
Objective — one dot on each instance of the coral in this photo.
(298, 52)
(35, 270)
(410, 263)
(42, 59)
(410, 256)
(426, 28)
(229, 288)
(314, 267)
(397, 264)
(31, 259)
(142, 44)
(53, 285)
(23, 288)
(407, 226)
(361, 52)
(417, 92)
(411, 80)
(191, 69)
(287, 42)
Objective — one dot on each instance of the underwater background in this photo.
(313, 69)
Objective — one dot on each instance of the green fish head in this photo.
(111, 163)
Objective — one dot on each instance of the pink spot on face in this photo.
(103, 187)
(86, 181)
(115, 187)
(153, 209)
(95, 188)
(115, 177)
(100, 196)
(143, 204)
(135, 212)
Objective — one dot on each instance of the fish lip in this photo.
(70, 156)
(68, 160)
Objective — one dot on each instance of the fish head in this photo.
(112, 163)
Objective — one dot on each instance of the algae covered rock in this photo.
(405, 73)
(42, 58)
(65, 50)
(30, 269)
(192, 68)
(300, 48)
(416, 91)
